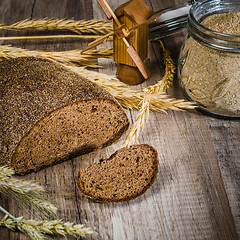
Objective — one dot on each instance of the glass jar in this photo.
(209, 62)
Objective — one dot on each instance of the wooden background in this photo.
(197, 191)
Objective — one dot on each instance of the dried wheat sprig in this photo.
(138, 124)
(168, 77)
(28, 191)
(51, 37)
(37, 228)
(12, 223)
(127, 96)
(74, 57)
(6, 171)
(166, 103)
(79, 27)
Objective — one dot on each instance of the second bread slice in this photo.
(127, 174)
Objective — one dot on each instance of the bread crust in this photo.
(33, 88)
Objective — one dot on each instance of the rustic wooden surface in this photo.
(197, 191)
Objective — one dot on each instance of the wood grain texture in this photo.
(196, 194)
(226, 136)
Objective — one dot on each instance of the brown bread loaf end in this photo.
(50, 114)
(127, 174)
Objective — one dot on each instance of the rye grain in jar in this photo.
(209, 62)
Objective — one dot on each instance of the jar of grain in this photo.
(209, 61)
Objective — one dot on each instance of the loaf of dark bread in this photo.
(50, 114)
(127, 174)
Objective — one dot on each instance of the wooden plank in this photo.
(192, 195)
(226, 139)
(12, 12)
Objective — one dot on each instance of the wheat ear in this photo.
(28, 191)
(135, 129)
(51, 37)
(168, 77)
(79, 27)
(38, 229)
(93, 27)
(74, 57)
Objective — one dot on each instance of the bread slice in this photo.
(127, 174)
(50, 114)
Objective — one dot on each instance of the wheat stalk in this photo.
(28, 191)
(168, 77)
(130, 98)
(79, 27)
(37, 229)
(15, 224)
(163, 84)
(138, 124)
(74, 57)
(50, 37)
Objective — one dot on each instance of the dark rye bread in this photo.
(127, 174)
(50, 114)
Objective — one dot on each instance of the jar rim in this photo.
(203, 8)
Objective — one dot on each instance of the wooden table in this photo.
(197, 191)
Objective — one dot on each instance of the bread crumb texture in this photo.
(127, 174)
(50, 114)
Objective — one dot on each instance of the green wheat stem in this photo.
(9, 214)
